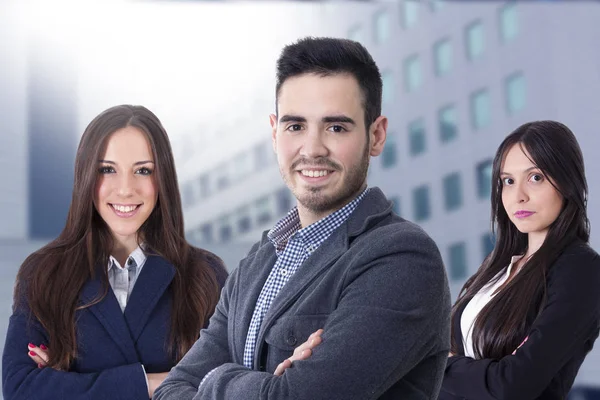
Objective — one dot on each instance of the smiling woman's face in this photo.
(126, 189)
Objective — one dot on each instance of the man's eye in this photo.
(337, 129)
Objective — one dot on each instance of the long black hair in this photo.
(504, 322)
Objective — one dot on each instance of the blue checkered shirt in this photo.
(292, 246)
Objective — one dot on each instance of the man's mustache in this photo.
(319, 162)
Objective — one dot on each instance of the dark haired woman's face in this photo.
(528, 197)
(126, 189)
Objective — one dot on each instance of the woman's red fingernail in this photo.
(31, 345)
(32, 353)
(43, 347)
(40, 365)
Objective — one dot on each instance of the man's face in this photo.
(319, 136)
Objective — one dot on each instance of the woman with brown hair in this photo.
(524, 323)
(109, 307)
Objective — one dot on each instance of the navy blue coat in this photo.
(112, 345)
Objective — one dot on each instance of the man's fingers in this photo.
(310, 344)
(282, 367)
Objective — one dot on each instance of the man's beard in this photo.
(315, 200)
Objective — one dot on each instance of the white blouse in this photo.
(477, 303)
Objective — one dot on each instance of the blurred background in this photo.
(458, 77)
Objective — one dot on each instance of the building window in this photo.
(204, 184)
(487, 244)
(396, 204)
(509, 24)
(416, 137)
(475, 40)
(225, 230)
(263, 210)
(515, 93)
(412, 73)
(442, 57)
(421, 204)
(387, 78)
(484, 179)
(389, 153)
(206, 233)
(457, 253)
(243, 221)
(222, 176)
(410, 13)
(480, 109)
(356, 33)
(382, 26)
(437, 5)
(447, 123)
(452, 191)
(284, 201)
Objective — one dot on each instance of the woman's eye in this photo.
(106, 170)
(144, 171)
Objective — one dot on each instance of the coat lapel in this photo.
(373, 207)
(153, 281)
(109, 313)
(260, 266)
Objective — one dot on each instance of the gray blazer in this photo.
(378, 288)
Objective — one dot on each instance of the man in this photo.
(365, 286)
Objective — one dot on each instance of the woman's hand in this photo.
(39, 355)
(522, 343)
(301, 352)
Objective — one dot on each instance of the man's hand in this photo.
(301, 352)
(154, 381)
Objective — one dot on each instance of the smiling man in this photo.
(341, 299)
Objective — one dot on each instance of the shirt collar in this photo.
(513, 260)
(137, 255)
(313, 234)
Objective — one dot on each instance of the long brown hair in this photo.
(504, 322)
(50, 280)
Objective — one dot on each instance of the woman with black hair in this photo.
(524, 323)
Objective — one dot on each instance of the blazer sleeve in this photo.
(209, 351)
(570, 318)
(391, 313)
(22, 379)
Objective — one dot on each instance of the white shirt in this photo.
(477, 303)
(122, 279)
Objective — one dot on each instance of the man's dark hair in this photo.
(332, 56)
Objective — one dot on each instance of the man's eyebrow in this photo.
(338, 118)
(292, 118)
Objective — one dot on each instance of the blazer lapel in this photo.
(326, 255)
(153, 281)
(109, 313)
(259, 265)
(372, 207)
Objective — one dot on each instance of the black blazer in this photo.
(546, 365)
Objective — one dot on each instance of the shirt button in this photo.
(284, 272)
(129, 261)
(311, 248)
